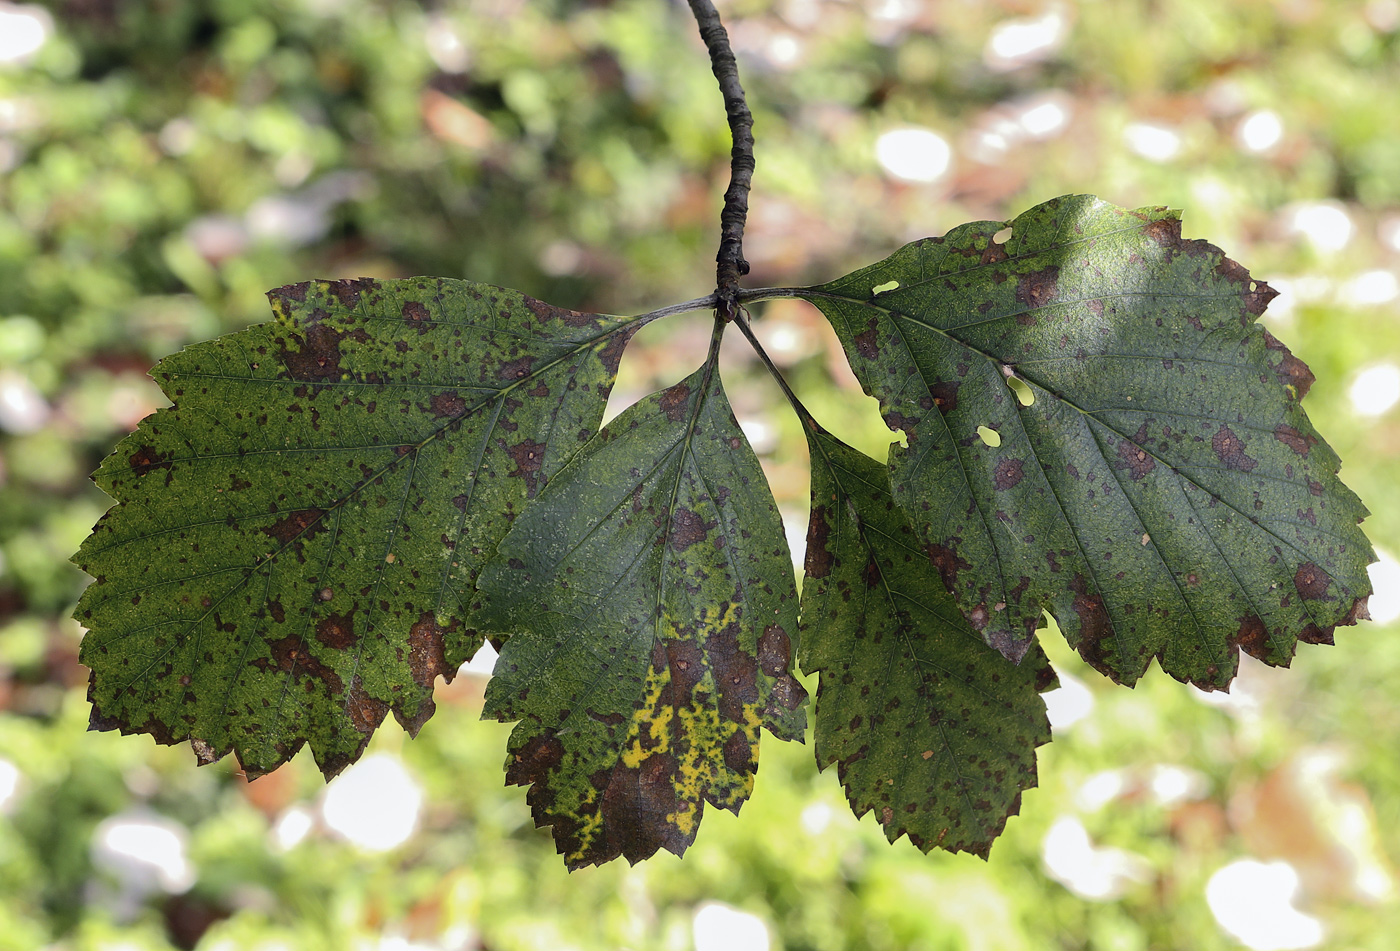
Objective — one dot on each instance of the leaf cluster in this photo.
(341, 505)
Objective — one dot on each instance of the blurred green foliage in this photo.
(163, 163)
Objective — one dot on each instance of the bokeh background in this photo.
(164, 162)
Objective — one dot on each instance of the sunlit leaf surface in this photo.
(1163, 494)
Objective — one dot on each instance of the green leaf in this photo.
(928, 726)
(296, 535)
(649, 596)
(1163, 495)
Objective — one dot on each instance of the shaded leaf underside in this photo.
(297, 535)
(929, 727)
(1165, 495)
(649, 600)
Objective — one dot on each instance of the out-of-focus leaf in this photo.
(296, 535)
(928, 726)
(649, 598)
(1165, 494)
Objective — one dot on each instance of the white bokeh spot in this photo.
(1375, 390)
(1156, 143)
(913, 155)
(1252, 901)
(374, 804)
(720, 927)
(1259, 131)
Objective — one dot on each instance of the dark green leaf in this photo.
(928, 726)
(296, 535)
(1164, 495)
(649, 596)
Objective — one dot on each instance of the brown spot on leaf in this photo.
(534, 761)
(867, 341)
(738, 753)
(426, 656)
(1038, 288)
(1301, 443)
(146, 459)
(414, 312)
(611, 352)
(673, 401)
(735, 672)
(785, 696)
(945, 396)
(296, 292)
(947, 562)
(547, 312)
(774, 651)
(1165, 231)
(448, 404)
(1008, 473)
(365, 712)
(337, 630)
(994, 254)
(348, 292)
(635, 806)
(1094, 623)
(1290, 370)
(516, 369)
(1312, 582)
(528, 456)
(1312, 634)
(1137, 460)
(1229, 449)
(687, 528)
(316, 357)
(301, 525)
(1252, 637)
(291, 656)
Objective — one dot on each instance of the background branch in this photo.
(730, 263)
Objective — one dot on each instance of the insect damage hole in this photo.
(1024, 394)
(884, 288)
(990, 437)
(1002, 236)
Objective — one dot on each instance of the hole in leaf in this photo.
(989, 436)
(882, 288)
(1002, 236)
(1024, 394)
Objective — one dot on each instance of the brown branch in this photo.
(730, 263)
